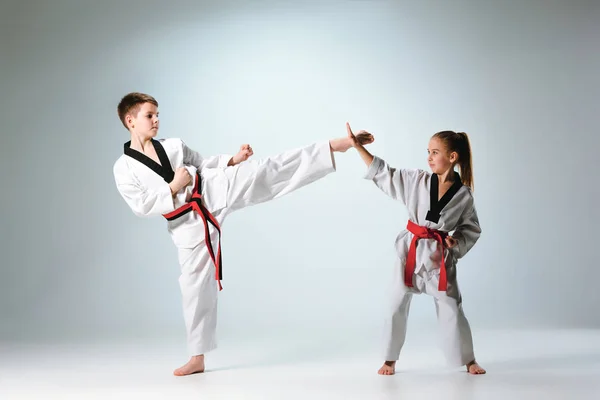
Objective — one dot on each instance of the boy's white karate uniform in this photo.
(141, 182)
(456, 212)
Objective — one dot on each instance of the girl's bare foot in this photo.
(475, 369)
(388, 368)
(194, 366)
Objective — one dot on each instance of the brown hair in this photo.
(131, 103)
(459, 143)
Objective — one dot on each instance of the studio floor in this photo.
(521, 365)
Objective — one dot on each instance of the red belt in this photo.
(195, 204)
(421, 232)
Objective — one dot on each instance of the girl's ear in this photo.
(453, 157)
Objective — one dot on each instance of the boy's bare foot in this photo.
(345, 143)
(194, 366)
(340, 144)
(475, 369)
(388, 368)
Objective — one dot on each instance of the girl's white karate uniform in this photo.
(141, 182)
(457, 214)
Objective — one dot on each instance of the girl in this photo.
(438, 203)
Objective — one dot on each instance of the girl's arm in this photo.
(395, 183)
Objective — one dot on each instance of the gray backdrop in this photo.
(521, 77)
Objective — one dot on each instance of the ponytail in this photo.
(465, 161)
(459, 142)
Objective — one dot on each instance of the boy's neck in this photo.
(139, 143)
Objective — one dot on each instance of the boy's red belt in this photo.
(195, 204)
(421, 232)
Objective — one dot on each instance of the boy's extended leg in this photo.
(254, 182)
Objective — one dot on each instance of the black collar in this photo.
(435, 206)
(163, 169)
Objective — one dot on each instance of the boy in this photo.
(165, 177)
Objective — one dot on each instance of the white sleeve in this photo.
(395, 183)
(192, 157)
(143, 201)
(467, 232)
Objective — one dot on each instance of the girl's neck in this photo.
(447, 177)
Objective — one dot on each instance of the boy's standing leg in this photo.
(199, 296)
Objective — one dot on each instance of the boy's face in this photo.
(146, 122)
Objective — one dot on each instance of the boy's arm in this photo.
(143, 202)
(192, 157)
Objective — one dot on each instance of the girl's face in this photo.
(439, 158)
